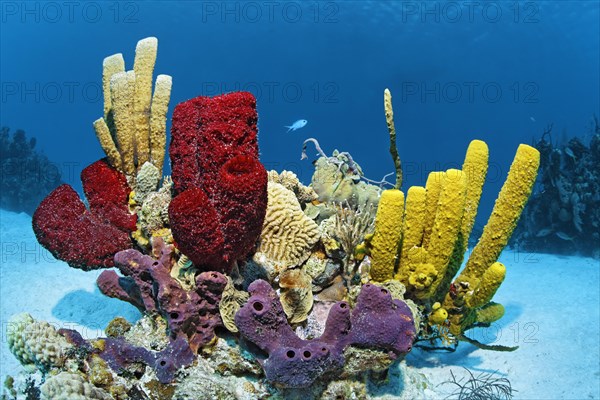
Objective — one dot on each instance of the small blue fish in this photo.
(301, 123)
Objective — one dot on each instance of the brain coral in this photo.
(36, 343)
(68, 386)
(288, 234)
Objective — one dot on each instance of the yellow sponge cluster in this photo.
(133, 129)
(387, 236)
(422, 243)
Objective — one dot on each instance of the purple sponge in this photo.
(377, 322)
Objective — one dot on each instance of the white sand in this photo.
(552, 312)
(32, 281)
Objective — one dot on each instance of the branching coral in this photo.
(484, 386)
(350, 228)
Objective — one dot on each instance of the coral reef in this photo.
(27, 175)
(251, 284)
(563, 215)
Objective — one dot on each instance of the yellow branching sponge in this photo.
(479, 281)
(489, 313)
(122, 91)
(426, 241)
(158, 120)
(133, 129)
(386, 239)
(143, 66)
(508, 208)
(288, 234)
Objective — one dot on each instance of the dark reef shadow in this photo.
(93, 309)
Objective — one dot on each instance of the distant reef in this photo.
(563, 214)
(26, 175)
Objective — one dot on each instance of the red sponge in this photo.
(87, 239)
(107, 192)
(218, 213)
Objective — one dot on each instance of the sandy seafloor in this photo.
(552, 314)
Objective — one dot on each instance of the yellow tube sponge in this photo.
(143, 66)
(488, 285)
(433, 188)
(122, 90)
(414, 221)
(386, 239)
(133, 130)
(158, 120)
(507, 210)
(111, 65)
(475, 167)
(108, 145)
(447, 223)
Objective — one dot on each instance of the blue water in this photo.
(500, 72)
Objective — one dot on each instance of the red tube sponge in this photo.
(86, 239)
(221, 185)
